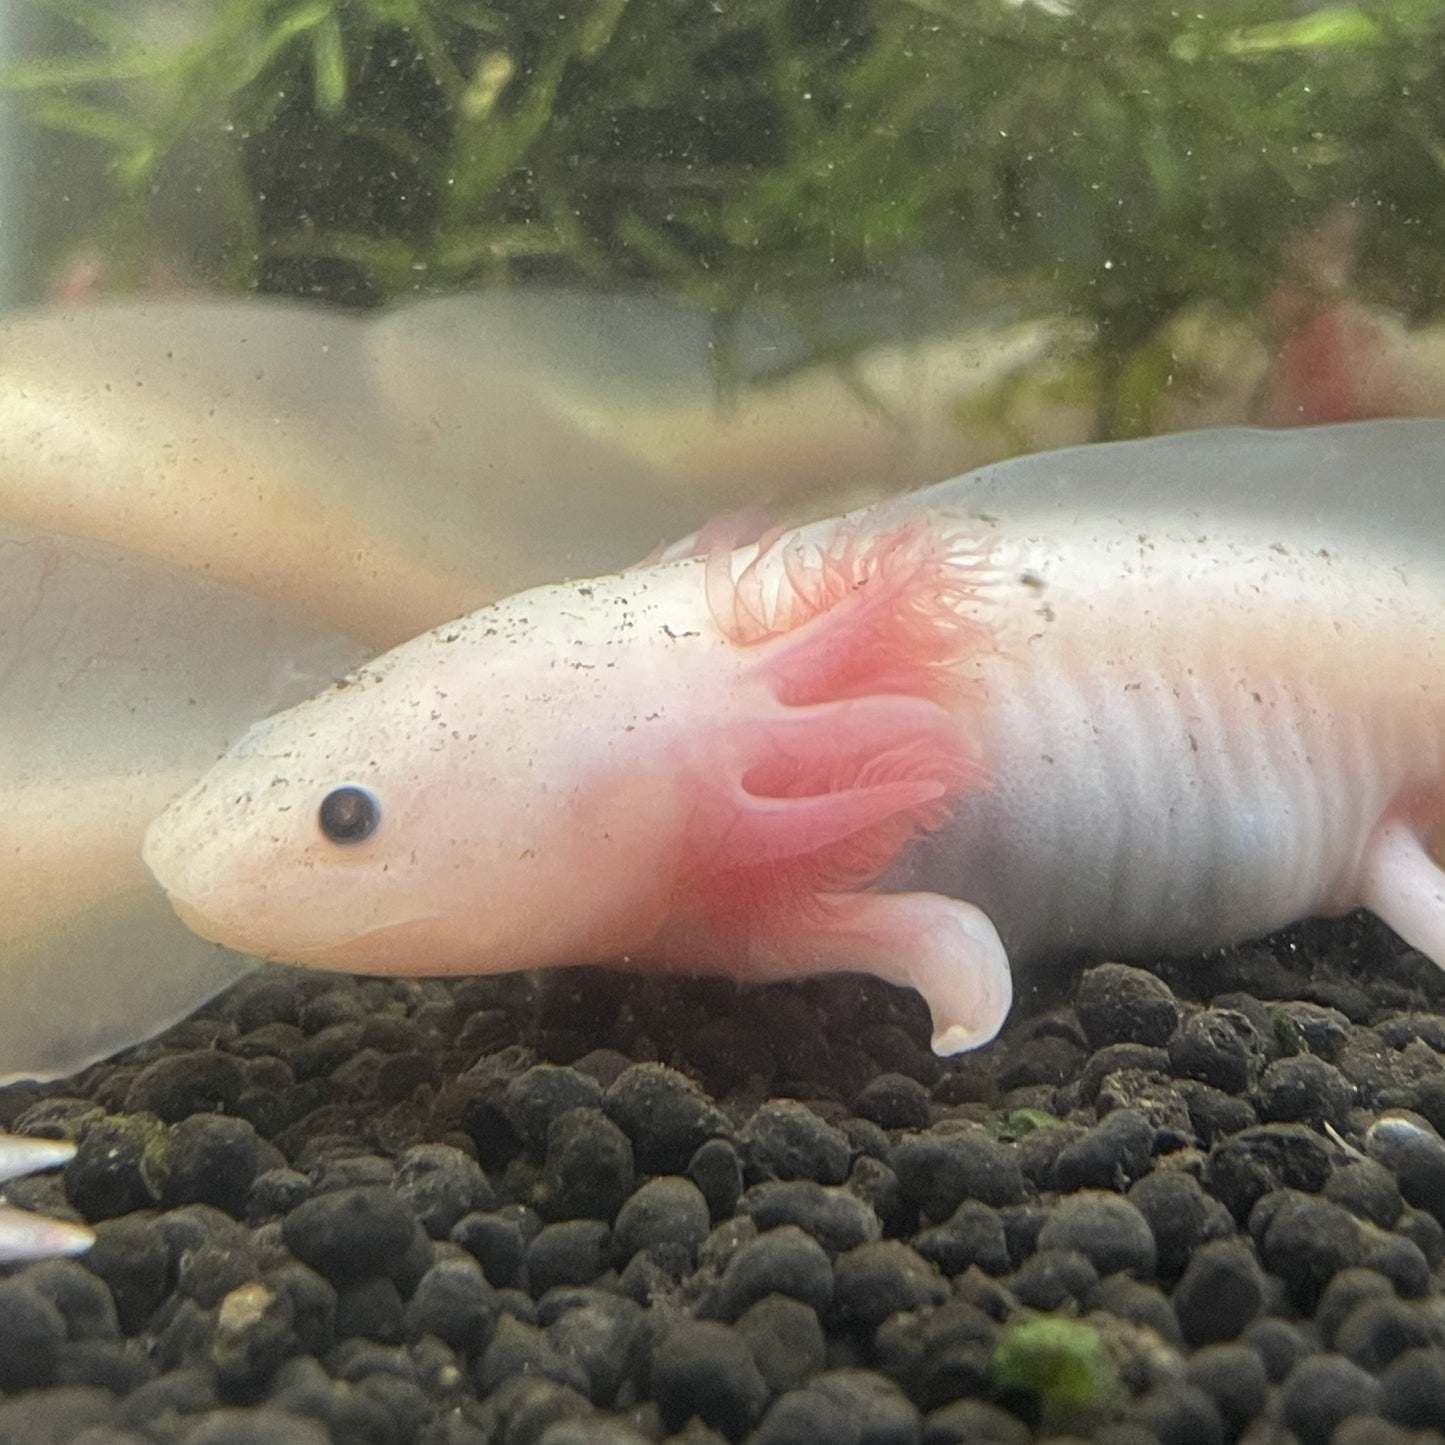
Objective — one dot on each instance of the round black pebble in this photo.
(131, 1256)
(83, 1300)
(352, 1233)
(703, 1368)
(1218, 1047)
(535, 1098)
(1323, 1390)
(1409, 1147)
(1401, 1261)
(972, 1235)
(717, 1169)
(441, 1184)
(1119, 1004)
(1234, 1377)
(32, 1331)
(588, 1170)
(783, 1261)
(179, 1085)
(1279, 1345)
(666, 1212)
(786, 1339)
(572, 1252)
(454, 1302)
(1306, 1089)
(667, 1117)
(1377, 1331)
(1180, 1415)
(1306, 1241)
(835, 1216)
(879, 1411)
(1178, 1213)
(939, 1355)
(1219, 1293)
(276, 1192)
(1413, 1388)
(1244, 1167)
(974, 1422)
(893, 1101)
(1050, 1277)
(518, 1348)
(109, 1177)
(371, 1309)
(803, 1415)
(787, 1140)
(607, 1336)
(877, 1280)
(1111, 1155)
(1107, 1230)
(215, 1159)
(1349, 1289)
(939, 1170)
(62, 1417)
(1368, 1190)
(499, 1240)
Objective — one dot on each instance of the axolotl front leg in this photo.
(845, 744)
(946, 949)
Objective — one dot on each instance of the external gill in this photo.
(23, 1235)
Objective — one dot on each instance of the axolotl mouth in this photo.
(369, 950)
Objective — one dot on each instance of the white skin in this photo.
(1166, 732)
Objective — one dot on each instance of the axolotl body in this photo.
(1145, 696)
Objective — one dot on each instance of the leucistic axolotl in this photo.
(1144, 696)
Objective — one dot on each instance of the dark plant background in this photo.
(1117, 162)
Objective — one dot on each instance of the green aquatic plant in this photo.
(1017, 1123)
(1115, 162)
(1061, 1362)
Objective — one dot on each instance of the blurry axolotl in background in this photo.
(1146, 696)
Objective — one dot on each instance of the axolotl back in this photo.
(1139, 697)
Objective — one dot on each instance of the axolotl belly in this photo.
(1130, 698)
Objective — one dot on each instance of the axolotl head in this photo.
(703, 765)
(499, 793)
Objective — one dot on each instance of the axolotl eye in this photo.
(349, 814)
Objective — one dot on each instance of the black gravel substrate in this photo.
(1181, 1207)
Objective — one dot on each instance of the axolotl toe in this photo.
(1147, 696)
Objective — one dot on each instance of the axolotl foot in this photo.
(24, 1235)
(946, 949)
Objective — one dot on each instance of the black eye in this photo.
(349, 813)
